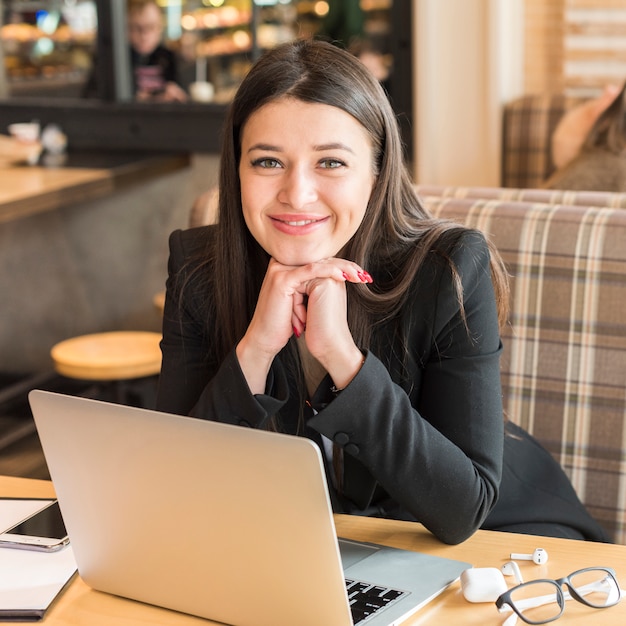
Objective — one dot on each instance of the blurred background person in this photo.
(589, 145)
(154, 67)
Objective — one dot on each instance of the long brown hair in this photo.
(396, 233)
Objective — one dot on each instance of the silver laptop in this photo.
(223, 522)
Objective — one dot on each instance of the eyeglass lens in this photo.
(596, 588)
(541, 601)
(537, 602)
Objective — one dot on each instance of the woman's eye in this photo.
(331, 164)
(266, 163)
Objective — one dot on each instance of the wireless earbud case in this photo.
(482, 584)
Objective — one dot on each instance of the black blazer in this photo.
(422, 439)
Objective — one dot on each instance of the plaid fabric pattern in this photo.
(527, 126)
(564, 364)
(545, 196)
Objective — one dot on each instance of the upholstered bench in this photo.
(564, 363)
(605, 199)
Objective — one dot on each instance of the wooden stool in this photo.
(109, 357)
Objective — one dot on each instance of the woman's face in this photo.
(306, 174)
(145, 27)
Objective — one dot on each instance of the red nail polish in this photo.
(368, 278)
(296, 332)
(346, 277)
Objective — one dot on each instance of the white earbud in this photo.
(539, 556)
(511, 568)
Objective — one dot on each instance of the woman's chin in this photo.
(296, 258)
(293, 260)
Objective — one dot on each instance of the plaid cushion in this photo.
(564, 365)
(527, 126)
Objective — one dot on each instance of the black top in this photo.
(422, 439)
(152, 72)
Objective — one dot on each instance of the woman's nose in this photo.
(298, 189)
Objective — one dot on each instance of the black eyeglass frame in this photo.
(558, 583)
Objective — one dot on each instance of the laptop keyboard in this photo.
(365, 599)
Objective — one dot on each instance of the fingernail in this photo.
(368, 278)
(345, 276)
(361, 276)
(296, 332)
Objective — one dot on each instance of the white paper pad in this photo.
(29, 580)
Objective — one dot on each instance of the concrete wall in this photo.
(90, 267)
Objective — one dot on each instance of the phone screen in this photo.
(45, 523)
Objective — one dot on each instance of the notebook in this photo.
(29, 580)
(224, 522)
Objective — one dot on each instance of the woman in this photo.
(597, 146)
(327, 303)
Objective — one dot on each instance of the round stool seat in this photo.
(120, 355)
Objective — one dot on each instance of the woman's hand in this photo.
(328, 336)
(292, 299)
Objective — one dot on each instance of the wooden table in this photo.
(80, 605)
(92, 232)
(26, 190)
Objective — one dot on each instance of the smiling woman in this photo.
(327, 303)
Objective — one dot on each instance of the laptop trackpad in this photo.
(353, 552)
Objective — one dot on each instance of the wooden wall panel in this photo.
(575, 46)
(543, 54)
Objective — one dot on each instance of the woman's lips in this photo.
(298, 222)
(297, 225)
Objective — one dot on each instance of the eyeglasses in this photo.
(542, 601)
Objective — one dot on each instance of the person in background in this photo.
(154, 68)
(570, 133)
(589, 145)
(326, 302)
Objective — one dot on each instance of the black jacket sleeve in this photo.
(435, 448)
(432, 441)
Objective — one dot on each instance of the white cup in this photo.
(201, 91)
(26, 144)
(26, 132)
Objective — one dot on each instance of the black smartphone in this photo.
(44, 531)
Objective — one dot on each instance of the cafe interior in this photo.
(94, 178)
